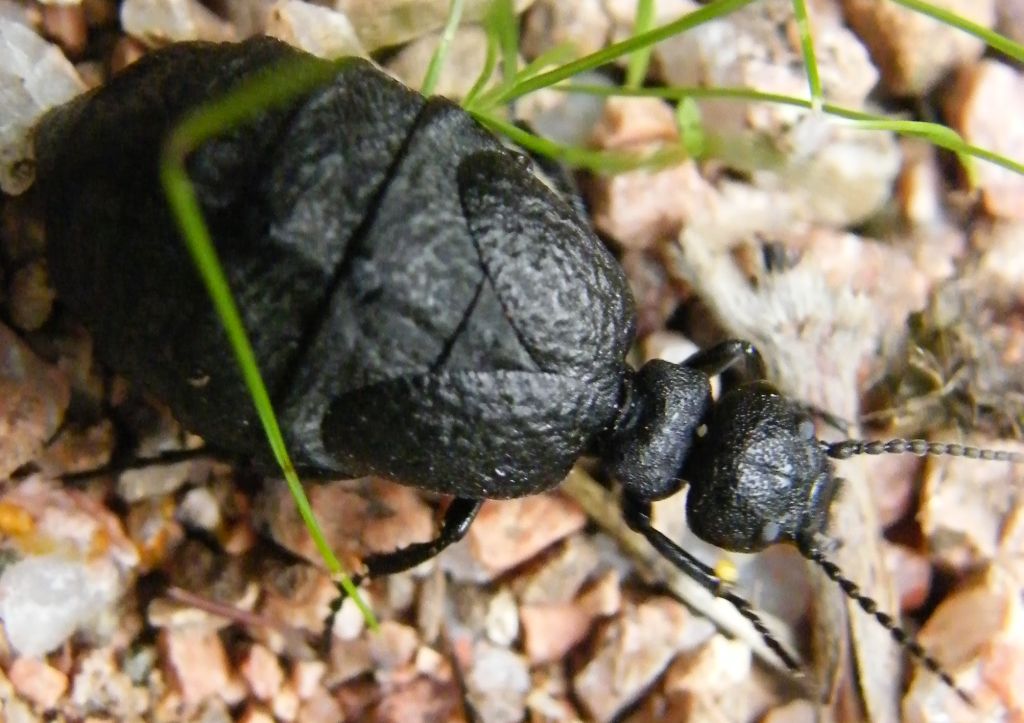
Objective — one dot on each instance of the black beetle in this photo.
(422, 307)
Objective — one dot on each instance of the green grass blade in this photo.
(691, 127)
(599, 161)
(992, 39)
(804, 30)
(594, 60)
(639, 60)
(939, 134)
(252, 98)
(506, 28)
(444, 43)
(487, 72)
(558, 55)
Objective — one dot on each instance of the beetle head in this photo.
(757, 474)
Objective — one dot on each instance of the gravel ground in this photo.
(881, 282)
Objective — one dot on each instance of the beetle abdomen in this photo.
(377, 244)
(278, 196)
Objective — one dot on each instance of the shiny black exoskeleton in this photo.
(422, 308)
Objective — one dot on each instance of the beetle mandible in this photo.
(423, 309)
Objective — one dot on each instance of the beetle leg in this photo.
(637, 513)
(723, 359)
(132, 463)
(460, 515)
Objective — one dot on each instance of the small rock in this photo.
(158, 22)
(430, 605)
(656, 298)
(420, 700)
(550, 694)
(826, 172)
(306, 677)
(101, 684)
(913, 51)
(919, 187)
(501, 623)
(393, 645)
(34, 77)
(632, 652)
(65, 23)
(910, 572)
(1001, 266)
(285, 704)
(38, 682)
(550, 23)
(316, 29)
(635, 123)
(893, 479)
(965, 503)
(561, 576)
(154, 531)
(977, 634)
(199, 509)
(45, 599)
(197, 663)
(358, 517)
(321, 707)
(507, 533)
(33, 398)
(605, 596)
(462, 64)
(300, 597)
(154, 481)
(384, 23)
(432, 664)
(349, 659)
(550, 630)
(401, 592)
(262, 671)
(797, 711)
(884, 273)
(349, 622)
(1010, 19)
(126, 51)
(718, 666)
(255, 714)
(497, 683)
(638, 208)
(970, 107)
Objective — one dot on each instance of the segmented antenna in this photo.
(901, 636)
(921, 447)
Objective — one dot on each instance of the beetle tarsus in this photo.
(457, 519)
